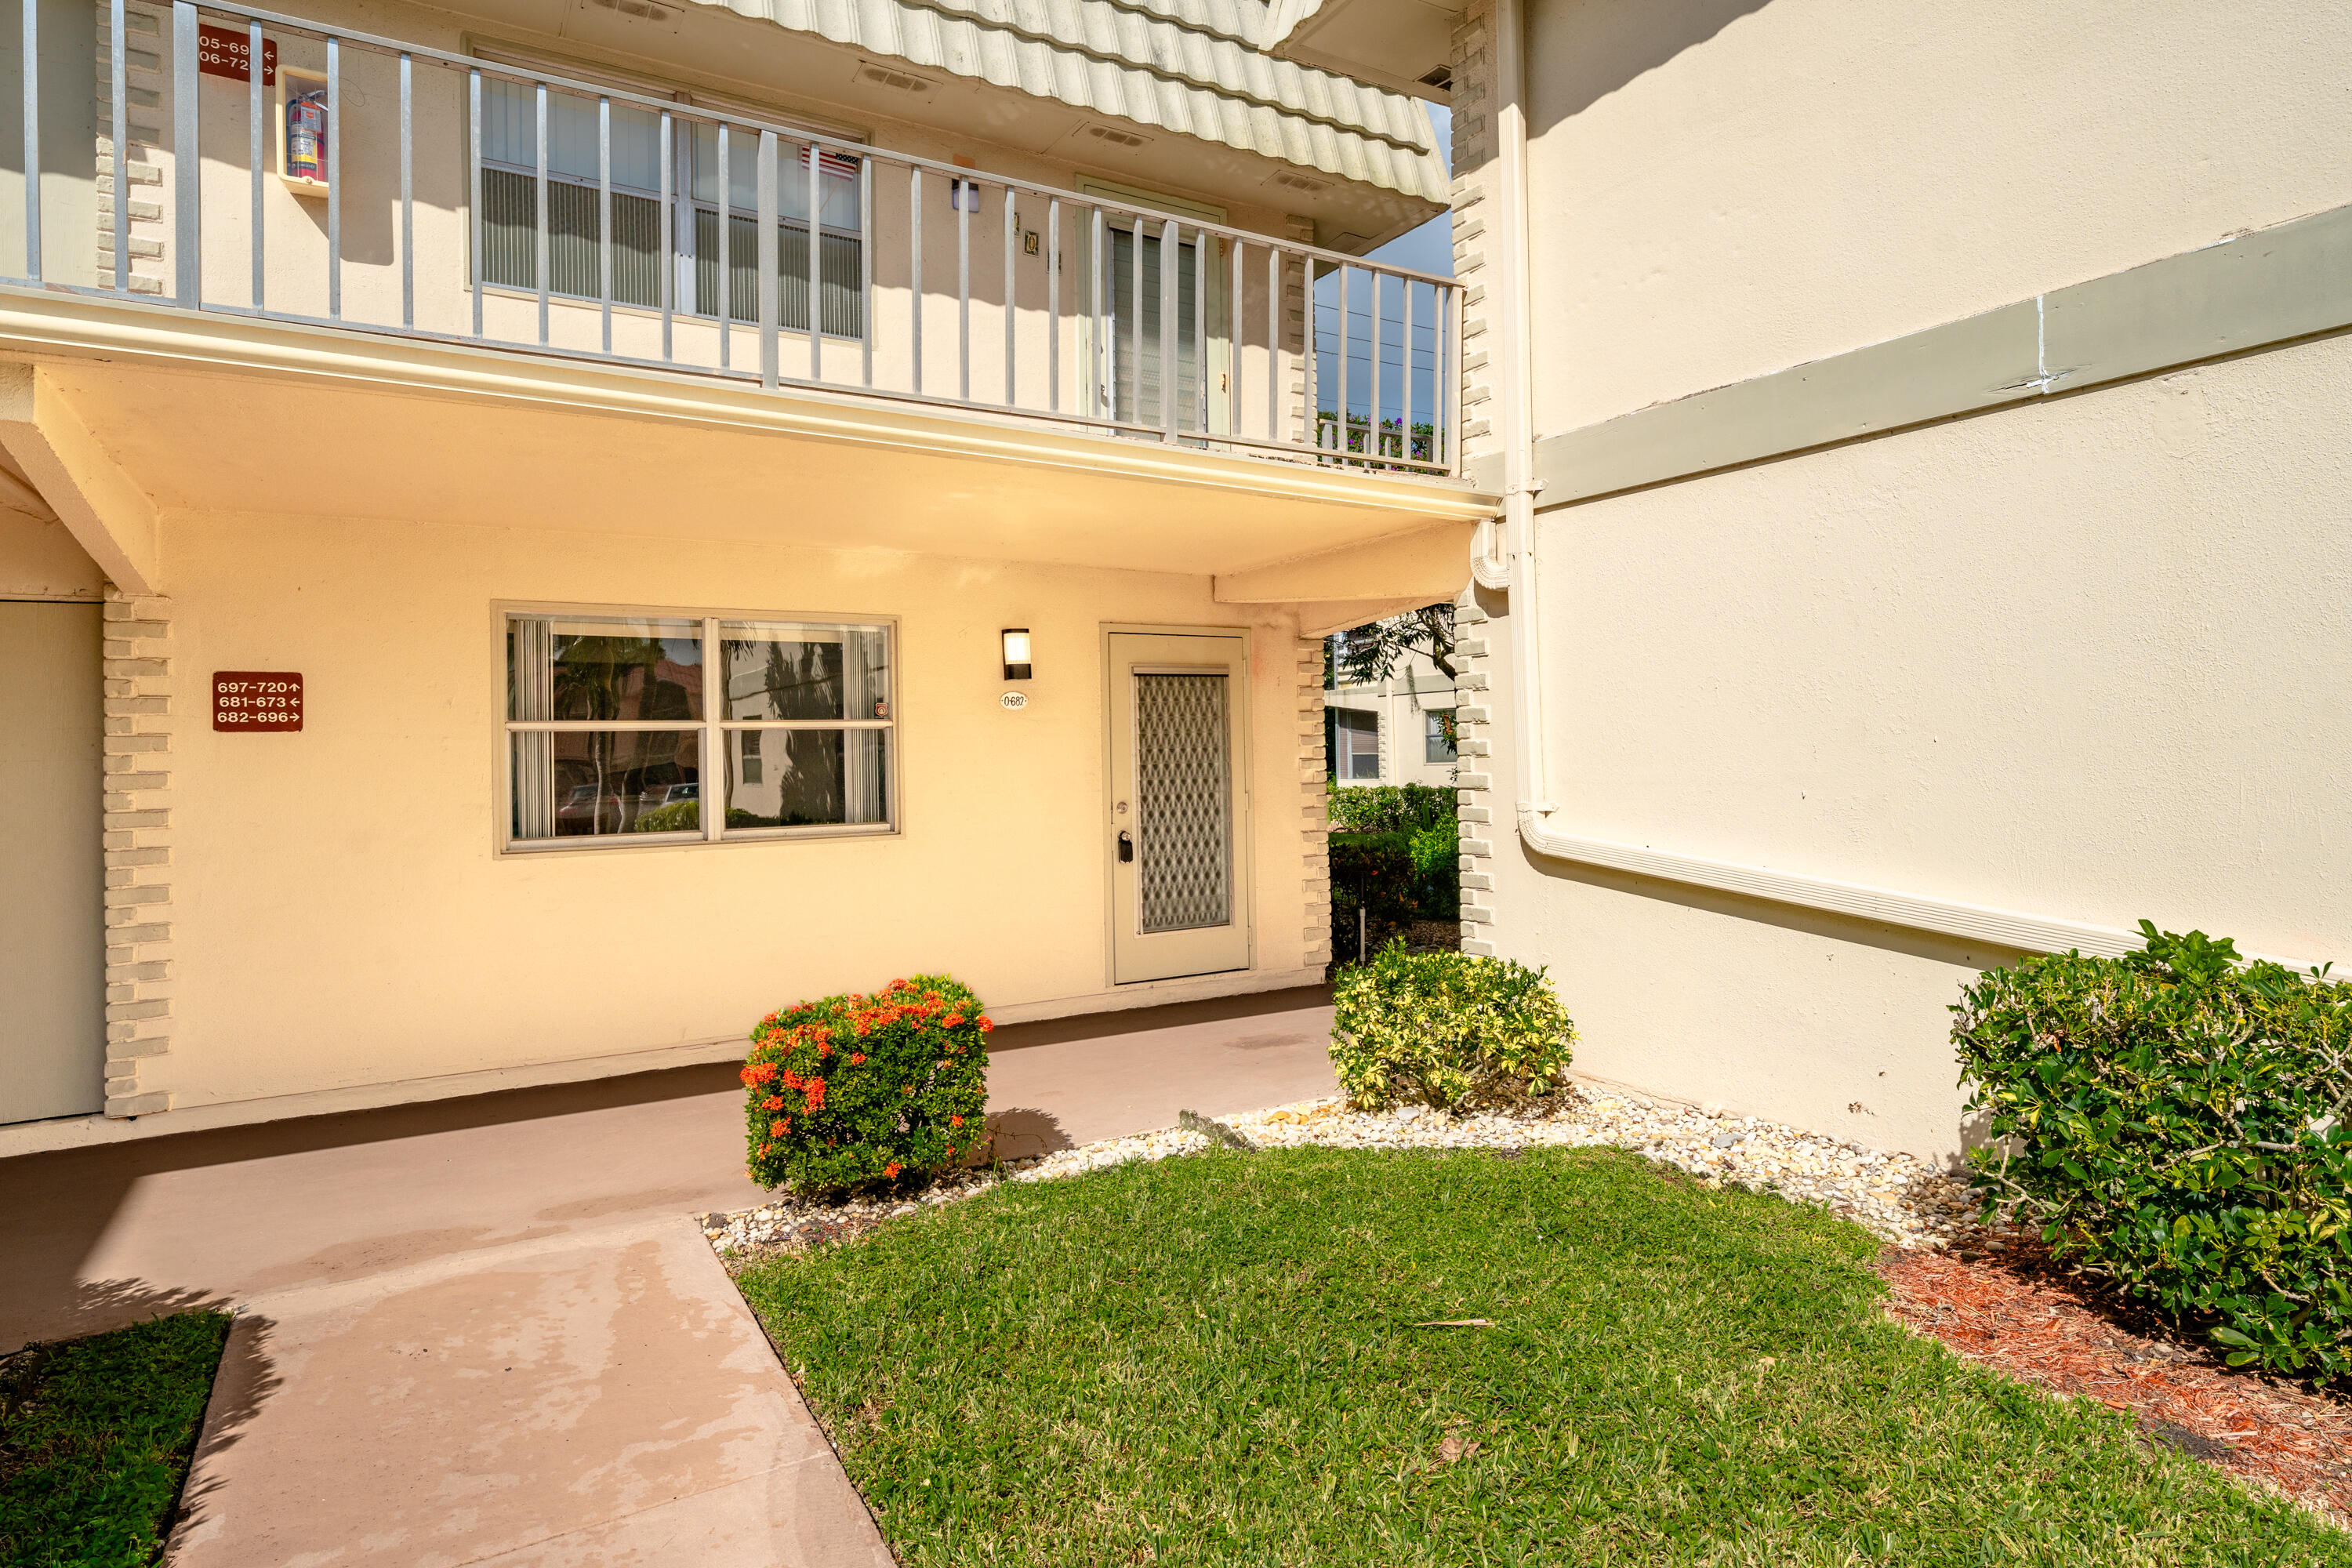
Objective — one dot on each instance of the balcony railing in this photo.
(360, 183)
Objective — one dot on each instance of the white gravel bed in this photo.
(1893, 1196)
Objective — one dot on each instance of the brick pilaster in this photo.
(1474, 780)
(1314, 847)
(137, 668)
(1474, 173)
(144, 100)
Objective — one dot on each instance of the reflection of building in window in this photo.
(1440, 739)
(609, 719)
(817, 757)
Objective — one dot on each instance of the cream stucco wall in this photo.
(2080, 658)
(2084, 659)
(1728, 187)
(341, 914)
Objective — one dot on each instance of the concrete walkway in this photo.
(486, 1331)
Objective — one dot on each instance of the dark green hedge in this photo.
(1389, 808)
(2175, 1120)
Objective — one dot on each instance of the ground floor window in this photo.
(1440, 739)
(1355, 745)
(620, 727)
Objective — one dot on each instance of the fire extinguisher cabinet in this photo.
(303, 127)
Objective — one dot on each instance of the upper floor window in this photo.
(574, 230)
(620, 727)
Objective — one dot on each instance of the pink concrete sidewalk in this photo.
(483, 1331)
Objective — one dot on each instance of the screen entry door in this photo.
(1178, 808)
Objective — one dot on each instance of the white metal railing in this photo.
(480, 231)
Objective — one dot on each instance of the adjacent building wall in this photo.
(2081, 658)
(1404, 702)
(342, 916)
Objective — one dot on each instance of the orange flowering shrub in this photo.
(856, 1089)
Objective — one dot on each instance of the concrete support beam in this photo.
(1320, 619)
(1420, 567)
(108, 516)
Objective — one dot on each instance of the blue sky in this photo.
(1429, 248)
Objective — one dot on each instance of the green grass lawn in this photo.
(1215, 1359)
(95, 1438)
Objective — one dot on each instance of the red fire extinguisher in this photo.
(306, 136)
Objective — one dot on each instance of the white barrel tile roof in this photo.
(1181, 64)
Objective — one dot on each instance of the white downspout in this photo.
(1511, 564)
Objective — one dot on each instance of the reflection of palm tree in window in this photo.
(803, 681)
(603, 678)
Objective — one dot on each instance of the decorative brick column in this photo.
(138, 671)
(1295, 281)
(1474, 782)
(1474, 171)
(142, 55)
(1314, 820)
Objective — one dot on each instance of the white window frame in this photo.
(713, 727)
(1433, 734)
(1348, 755)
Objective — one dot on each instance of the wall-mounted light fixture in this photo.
(1016, 653)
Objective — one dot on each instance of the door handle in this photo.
(1126, 847)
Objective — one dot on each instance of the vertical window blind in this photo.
(574, 232)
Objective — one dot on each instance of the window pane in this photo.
(578, 784)
(1441, 745)
(589, 668)
(1135, 386)
(1360, 744)
(510, 239)
(781, 671)
(840, 301)
(510, 134)
(805, 778)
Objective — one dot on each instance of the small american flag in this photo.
(840, 165)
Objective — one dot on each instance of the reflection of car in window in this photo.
(583, 811)
(679, 792)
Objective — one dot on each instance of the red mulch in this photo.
(2008, 1306)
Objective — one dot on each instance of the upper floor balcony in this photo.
(448, 204)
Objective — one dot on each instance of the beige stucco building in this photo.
(1893, 451)
(1926, 535)
(1395, 731)
(650, 674)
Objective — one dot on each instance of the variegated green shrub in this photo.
(1447, 1029)
(2175, 1121)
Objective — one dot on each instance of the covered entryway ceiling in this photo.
(227, 415)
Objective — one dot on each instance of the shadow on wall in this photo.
(1833, 931)
(1592, 48)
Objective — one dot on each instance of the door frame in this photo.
(1244, 791)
